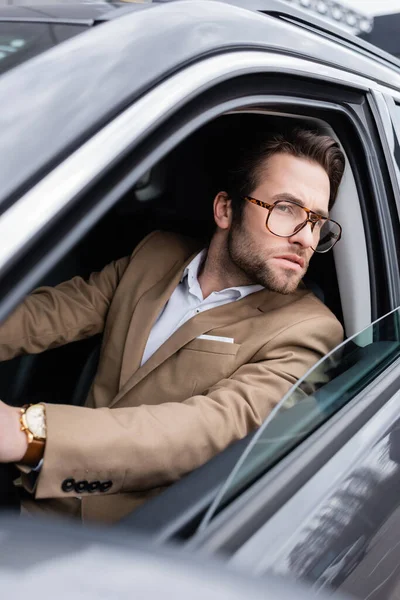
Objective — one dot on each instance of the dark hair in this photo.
(244, 174)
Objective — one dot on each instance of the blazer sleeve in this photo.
(51, 317)
(143, 447)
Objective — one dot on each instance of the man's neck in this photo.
(218, 272)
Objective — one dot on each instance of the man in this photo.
(197, 347)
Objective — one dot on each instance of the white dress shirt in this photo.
(187, 301)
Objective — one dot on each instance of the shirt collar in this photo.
(191, 272)
(192, 269)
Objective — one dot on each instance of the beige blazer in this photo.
(145, 427)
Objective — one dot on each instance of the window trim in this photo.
(381, 115)
(391, 124)
(265, 101)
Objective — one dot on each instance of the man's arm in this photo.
(51, 317)
(152, 445)
(13, 441)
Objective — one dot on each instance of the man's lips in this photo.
(295, 260)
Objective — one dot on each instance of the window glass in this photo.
(21, 41)
(326, 388)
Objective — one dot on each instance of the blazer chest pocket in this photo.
(207, 361)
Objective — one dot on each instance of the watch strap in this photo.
(34, 453)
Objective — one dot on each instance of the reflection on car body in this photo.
(340, 566)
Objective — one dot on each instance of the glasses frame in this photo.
(312, 217)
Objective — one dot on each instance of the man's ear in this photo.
(223, 210)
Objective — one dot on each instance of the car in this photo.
(116, 132)
(26, 31)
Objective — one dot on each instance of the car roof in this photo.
(75, 101)
(90, 13)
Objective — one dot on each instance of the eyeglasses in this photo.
(286, 218)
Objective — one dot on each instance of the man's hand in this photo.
(13, 441)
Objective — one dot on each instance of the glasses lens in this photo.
(329, 235)
(285, 218)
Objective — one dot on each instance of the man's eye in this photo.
(284, 208)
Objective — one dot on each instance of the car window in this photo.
(333, 382)
(21, 41)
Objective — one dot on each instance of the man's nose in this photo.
(304, 237)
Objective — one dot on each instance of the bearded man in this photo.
(198, 346)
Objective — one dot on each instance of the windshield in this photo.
(326, 388)
(21, 41)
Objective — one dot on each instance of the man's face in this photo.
(266, 258)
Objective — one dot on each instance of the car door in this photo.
(176, 514)
(327, 509)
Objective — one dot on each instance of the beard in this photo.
(252, 260)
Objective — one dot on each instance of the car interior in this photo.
(176, 194)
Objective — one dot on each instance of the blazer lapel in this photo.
(202, 323)
(144, 316)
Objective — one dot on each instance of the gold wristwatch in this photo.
(33, 422)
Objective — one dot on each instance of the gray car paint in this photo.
(353, 504)
(79, 85)
(63, 561)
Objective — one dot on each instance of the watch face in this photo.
(35, 421)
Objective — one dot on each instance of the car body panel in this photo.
(341, 530)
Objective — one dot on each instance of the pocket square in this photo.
(216, 338)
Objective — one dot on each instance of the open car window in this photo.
(332, 383)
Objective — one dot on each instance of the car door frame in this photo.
(141, 135)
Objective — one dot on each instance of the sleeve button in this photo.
(81, 486)
(105, 486)
(93, 486)
(68, 485)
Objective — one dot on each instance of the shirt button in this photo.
(197, 310)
